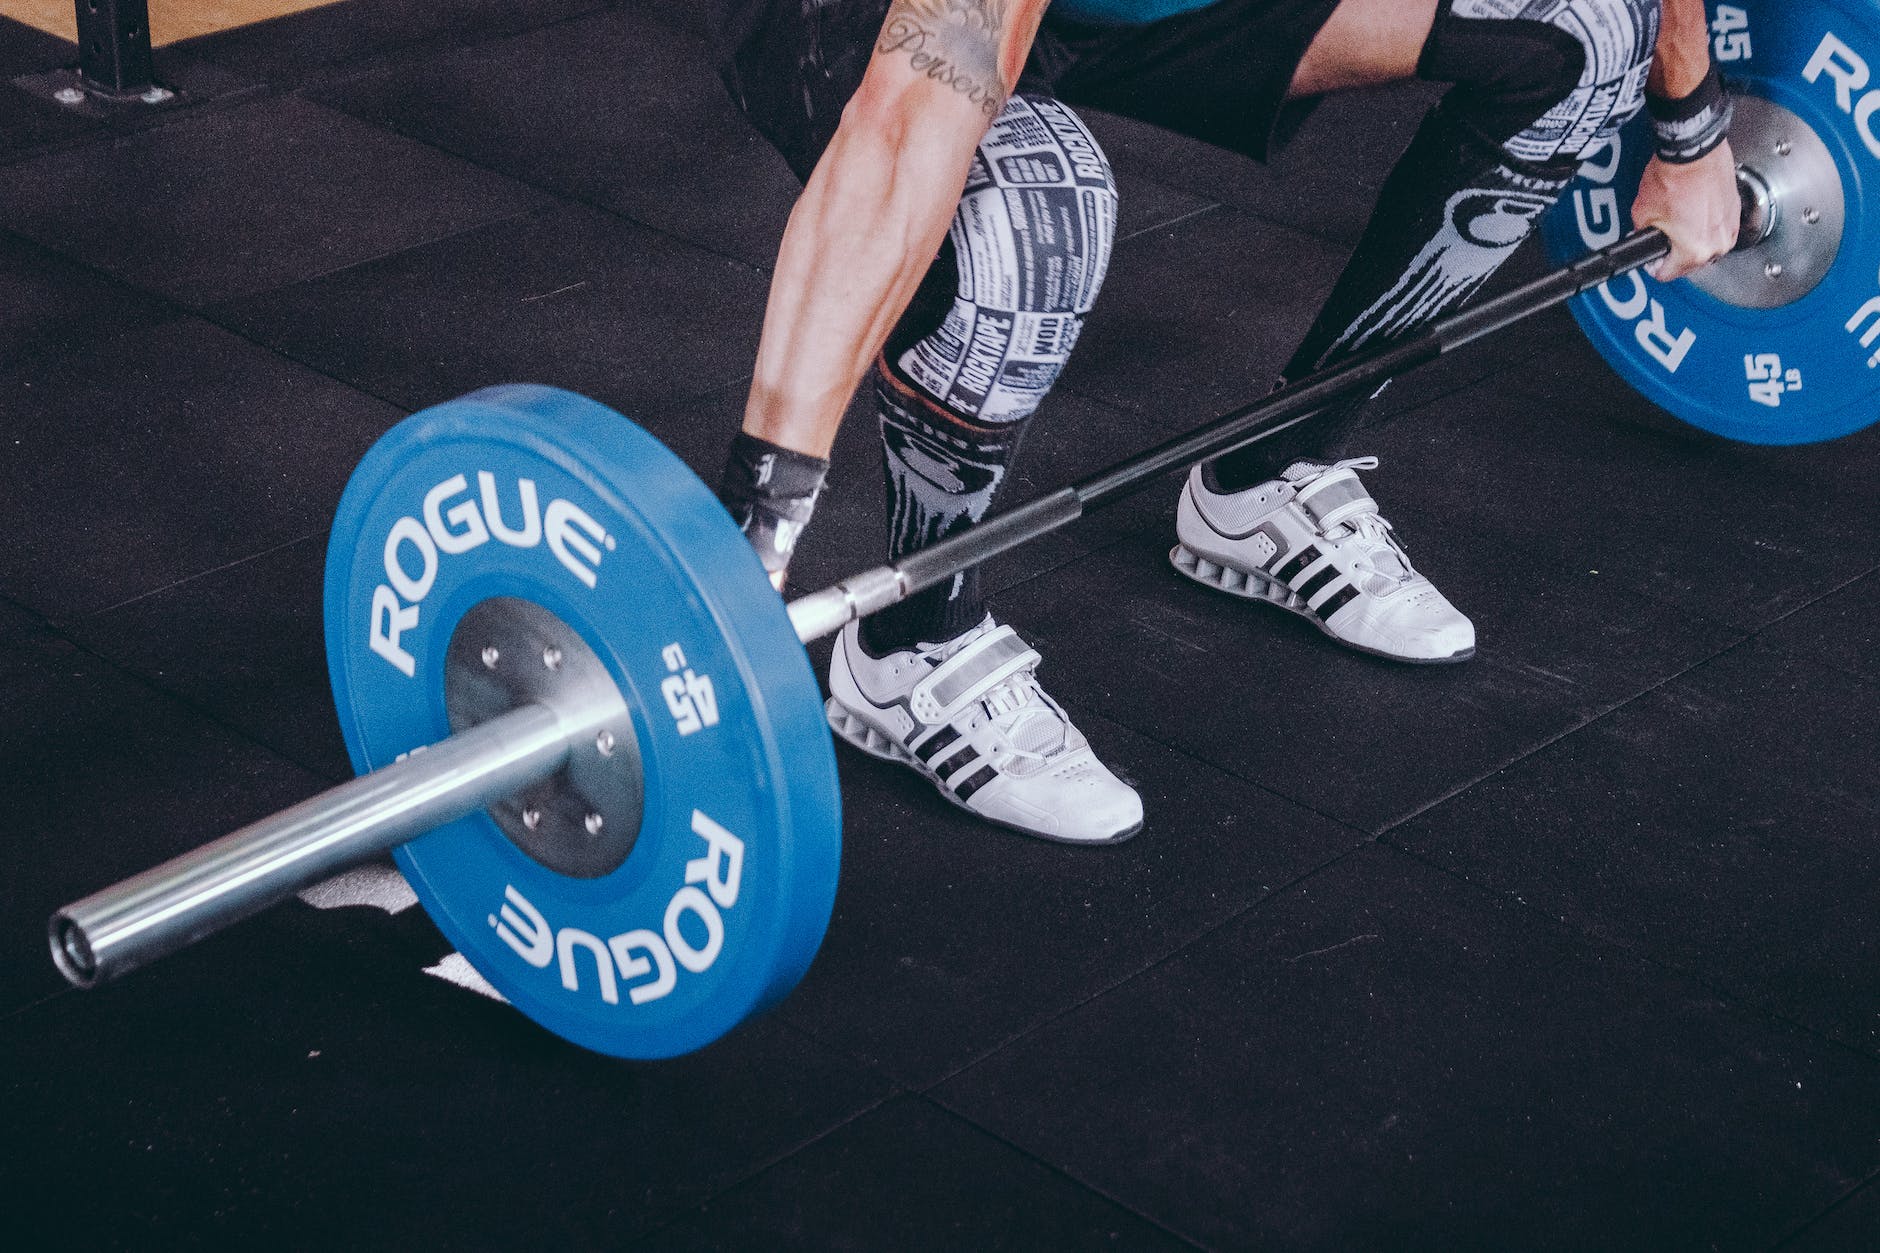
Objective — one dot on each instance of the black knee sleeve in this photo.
(1506, 74)
(1543, 80)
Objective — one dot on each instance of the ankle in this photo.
(896, 629)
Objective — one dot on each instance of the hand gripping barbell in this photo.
(587, 728)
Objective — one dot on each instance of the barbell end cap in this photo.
(71, 952)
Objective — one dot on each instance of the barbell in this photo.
(588, 731)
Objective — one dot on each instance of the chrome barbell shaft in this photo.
(189, 897)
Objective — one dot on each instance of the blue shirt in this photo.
(1124, 12)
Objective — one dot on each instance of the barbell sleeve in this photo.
(829, 610)
(202, 891)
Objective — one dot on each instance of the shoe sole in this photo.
(1267, 591)
(857, 731)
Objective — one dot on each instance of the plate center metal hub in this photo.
(582, 820)
(1794, 210)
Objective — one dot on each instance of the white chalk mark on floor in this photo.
(382, 887)
(456, 968)
(375, 884)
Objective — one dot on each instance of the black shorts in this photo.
(1218, 74)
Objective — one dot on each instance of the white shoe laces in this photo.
(1372, 531)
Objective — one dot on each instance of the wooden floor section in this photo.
(170, 20)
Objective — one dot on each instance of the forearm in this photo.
(869, 223)
(1688, 189)
(1683, 53)
(863, 233)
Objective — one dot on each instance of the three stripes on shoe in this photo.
(1290, 572)
(953, 765)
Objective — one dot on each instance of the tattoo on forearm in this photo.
(953, 42)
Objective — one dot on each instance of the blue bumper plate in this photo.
(539, 494)
(1777, 344)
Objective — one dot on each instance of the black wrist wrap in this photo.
(1694, 126)
(771, 492)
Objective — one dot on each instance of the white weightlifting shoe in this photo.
(1311, 541)
(969, 715)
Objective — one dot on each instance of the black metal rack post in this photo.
(114, 47)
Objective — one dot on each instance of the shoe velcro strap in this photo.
(969, 674)
(1335, 498)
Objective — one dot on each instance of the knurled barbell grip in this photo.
(1640, 248)
(828, 611)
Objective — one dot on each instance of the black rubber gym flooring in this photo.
(1575, 946)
